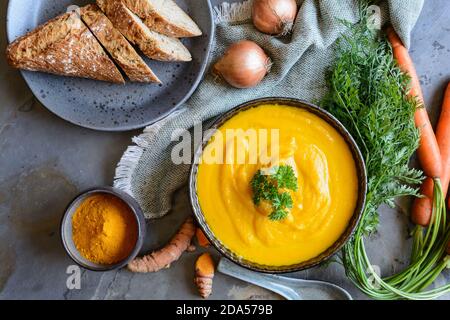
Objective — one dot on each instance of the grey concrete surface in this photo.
(44, 162)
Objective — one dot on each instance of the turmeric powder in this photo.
(104, 229)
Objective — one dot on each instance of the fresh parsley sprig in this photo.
(269, 186)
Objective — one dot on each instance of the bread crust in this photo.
(63, 46)
(152, 44)
(118, 47)
(158, 22)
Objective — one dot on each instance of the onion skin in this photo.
(275, 17)
(243, 65)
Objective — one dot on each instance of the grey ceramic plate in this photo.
(112, 107)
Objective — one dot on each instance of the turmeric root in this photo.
(204, 274)
(201, 238)
(163, 257)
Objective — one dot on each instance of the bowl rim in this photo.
(360, 168)
(130, 202)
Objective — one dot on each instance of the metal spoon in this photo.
(289, 288)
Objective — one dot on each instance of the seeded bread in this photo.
(63, 46)
(164, 16)
(152, 44)
(116, 44)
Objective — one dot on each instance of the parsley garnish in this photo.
(269, 186)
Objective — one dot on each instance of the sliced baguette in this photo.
(152, 44)
(63, 46)
(118, 47)
(164, 16)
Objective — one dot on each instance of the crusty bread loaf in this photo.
(116, 44)
(164, 16)
(63, 46)
(152, 44)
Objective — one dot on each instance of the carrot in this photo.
(422, 207)
(428, 152)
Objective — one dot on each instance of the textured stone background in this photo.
(45, 162)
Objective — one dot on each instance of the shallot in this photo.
(244, 64)
(274, 16)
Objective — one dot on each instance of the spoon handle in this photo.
(267, 281)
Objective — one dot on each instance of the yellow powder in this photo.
(104, 229)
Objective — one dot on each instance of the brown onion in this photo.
(243, 65)
(274, 16)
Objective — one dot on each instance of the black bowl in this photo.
(66, 229)
(362, 186)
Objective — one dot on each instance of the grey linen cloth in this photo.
(300, 60)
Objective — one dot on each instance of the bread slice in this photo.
(151, 43)
(164, 16)
(115, 43)
(63, 46)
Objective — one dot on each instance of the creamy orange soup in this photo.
(322, 205)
